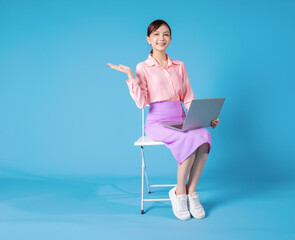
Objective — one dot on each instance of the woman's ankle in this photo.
(190, 191)
(180, 192)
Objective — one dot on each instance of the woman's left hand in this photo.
(214, 122)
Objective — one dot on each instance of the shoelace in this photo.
(196, 201)
(181, 204)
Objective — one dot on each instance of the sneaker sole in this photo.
(197, 217)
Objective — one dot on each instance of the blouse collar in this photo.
(151, 61)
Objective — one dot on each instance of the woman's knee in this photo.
(204, 147)
(190, 159)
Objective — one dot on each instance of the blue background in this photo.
(66, 116)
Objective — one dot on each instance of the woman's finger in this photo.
(112, 65)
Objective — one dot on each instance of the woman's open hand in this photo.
(123, 69)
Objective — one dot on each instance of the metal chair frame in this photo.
(145, 141)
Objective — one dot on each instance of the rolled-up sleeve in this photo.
(138, 88)
(187, 91)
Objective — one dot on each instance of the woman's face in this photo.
(160, 39)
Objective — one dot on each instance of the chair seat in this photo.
(144, 140)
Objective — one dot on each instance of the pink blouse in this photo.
(153, 83)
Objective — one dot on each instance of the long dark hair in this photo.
(154, 26)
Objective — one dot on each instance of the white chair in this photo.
(145, 141)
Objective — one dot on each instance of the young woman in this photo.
(163, 83)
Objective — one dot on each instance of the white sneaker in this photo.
(195, 207)
(179, 205)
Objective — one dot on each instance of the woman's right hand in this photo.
(123, 69)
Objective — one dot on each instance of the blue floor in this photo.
(109, 208)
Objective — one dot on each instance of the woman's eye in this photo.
(158, 34)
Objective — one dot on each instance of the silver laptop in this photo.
(199, 115)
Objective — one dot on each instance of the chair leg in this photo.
(142, 178)
(145, 171)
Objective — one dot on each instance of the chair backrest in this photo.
(142, 120)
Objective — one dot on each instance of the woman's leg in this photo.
(182, 173)
(197, 168)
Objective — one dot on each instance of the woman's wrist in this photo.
(130, 76)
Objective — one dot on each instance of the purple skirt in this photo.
(181, 144)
